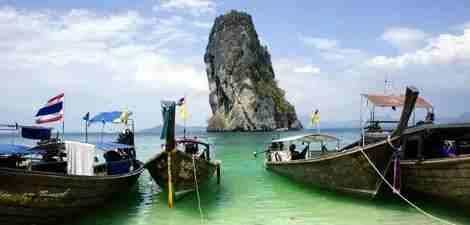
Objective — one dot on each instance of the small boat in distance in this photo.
(184, 164)
(347, 169)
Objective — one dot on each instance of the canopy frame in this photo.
(108, 117)
(309, 138)
(389, 101)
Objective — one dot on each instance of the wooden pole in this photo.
(218, 173)
(170, 149)
(170, 182)
(63, 120)
(102, 131)
(408, 108)
(86, 131)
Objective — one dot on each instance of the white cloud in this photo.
(332, 51)
(439, 69)
(319, 43)
(466, 25)
(201, 24)
(311, 92)
(117, 59)
(445, 49)
(194, 7)
(405, 39)
(158, 71)
(307, 69)
(462, 26)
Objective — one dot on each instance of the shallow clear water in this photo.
(248, 194)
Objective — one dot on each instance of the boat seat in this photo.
(56, 167)
(118, 167)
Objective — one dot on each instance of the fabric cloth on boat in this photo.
(8, 149)
(168, 112)
(36, 133)
(109, 146)
(111, 117)
(80, 158)
(119, 167)
(281, 156)
(449, 149)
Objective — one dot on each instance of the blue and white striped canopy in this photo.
(108, 117)
(9, 149)
(109, 146)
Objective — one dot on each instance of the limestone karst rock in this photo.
(244, 95)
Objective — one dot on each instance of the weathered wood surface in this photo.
(182, 170)
(410, 101)
(443, 178)
(347, 171)
(28, 197)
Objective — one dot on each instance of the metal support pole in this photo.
(360, 122)
(86, 131)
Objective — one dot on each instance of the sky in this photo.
(129, 55)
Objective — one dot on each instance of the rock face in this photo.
(244, 95)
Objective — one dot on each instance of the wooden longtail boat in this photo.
(346, 170)
(181, 161)
(436, 162)
(46, 185)
(34, 197)
(427, 168)
(182, 168)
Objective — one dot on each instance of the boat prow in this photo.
(184, 164)
(183, 170)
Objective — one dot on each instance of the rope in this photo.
(197, 190)
(389, 142)
(400, 195)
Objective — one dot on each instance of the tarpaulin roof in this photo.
(395, 101)
(107, 117)
(37, 133)
(108, 146)
(308, 138)
(9, 149)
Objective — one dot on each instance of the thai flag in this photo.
(53, 111)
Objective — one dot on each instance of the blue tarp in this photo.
(168, 114)
(8, 149)
(108, 146)
(106, 117)
(36, 133)
(119, 167)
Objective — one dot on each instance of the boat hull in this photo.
(447, 179)
(182, 171)
(29, 197)
(347, 171)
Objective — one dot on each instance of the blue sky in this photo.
(118, 54)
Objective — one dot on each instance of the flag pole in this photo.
(86, 131)
(184, 119)
(63, 120)
(102, 132)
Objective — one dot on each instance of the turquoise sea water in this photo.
(248, 194)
